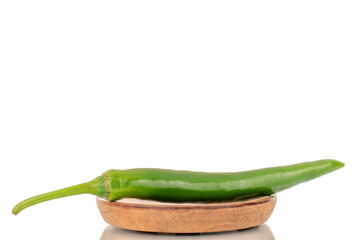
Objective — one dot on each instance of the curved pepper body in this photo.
(188, 186)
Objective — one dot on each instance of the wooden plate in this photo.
(154, 216)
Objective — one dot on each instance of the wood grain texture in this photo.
(153, 216)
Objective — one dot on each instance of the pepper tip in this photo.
(337, 164)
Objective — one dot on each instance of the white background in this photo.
(200, 85)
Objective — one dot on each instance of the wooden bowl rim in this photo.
(140, 203)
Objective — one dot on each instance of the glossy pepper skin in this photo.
(188, 186)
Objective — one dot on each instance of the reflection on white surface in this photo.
(262, 232)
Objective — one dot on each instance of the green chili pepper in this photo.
(187, 186)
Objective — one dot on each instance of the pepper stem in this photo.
(95, 187)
